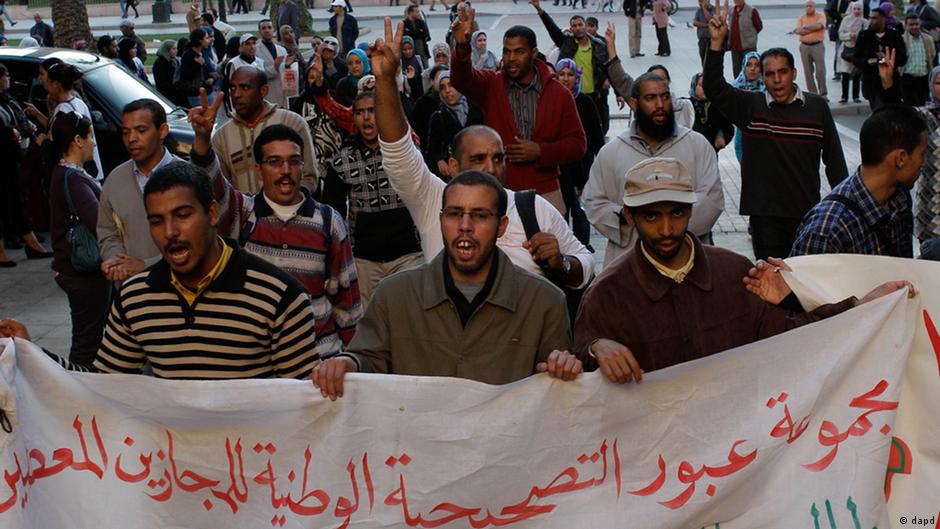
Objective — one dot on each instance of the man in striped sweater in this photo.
(287, 228)
(785, 131)
(208, 309)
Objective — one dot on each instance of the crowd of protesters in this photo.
(410, 207)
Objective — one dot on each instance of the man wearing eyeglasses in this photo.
(283, 225)
(234, 140)
(469, 313)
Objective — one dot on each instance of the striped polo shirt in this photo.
(253, 321)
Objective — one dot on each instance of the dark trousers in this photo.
(856, 85)
(736, 57)
(603, 107)
(579, 221)
(89, 301)
(914, 90)
(773, 236)
(703, 45)
(663, 38)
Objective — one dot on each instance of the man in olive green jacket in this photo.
(469, 313)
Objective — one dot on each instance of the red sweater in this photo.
(558, 129)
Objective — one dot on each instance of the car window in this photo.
(23, 77)
(115, 87)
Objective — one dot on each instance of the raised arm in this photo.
(620, 80)
(554, 32)
(465, 78)
(717, 90)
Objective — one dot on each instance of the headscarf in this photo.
(164, 50)
(890, 20)
(460, 109)
(364, 46)
(414, 62)
(700, 106)
(366, 67)
(934, 102)
(575, 69)
(482, 60)
(742, 82)
(851, 23)
(440, 48)
(361, 85)
(29, 42)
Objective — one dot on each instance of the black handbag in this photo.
(85, 254)
(848, 54)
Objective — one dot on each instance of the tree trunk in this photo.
(71, 23)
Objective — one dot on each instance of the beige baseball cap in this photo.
(658, 180)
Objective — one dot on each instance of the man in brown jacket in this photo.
(469, 313)
(671, 299)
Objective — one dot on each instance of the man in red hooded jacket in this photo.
(535, 115)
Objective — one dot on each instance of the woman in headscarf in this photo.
(712, 124)
(440, 54)
(411, 67)
(852, 24)
(456, 112)
(164, 68)
(425, 106)
(358, 63)
(286, 35)
(483, 59)
(891, 21)
(927, 205)
(574, 175)
(751, 79)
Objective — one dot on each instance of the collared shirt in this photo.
(797, 96)
(676, 275)
(835, 227)
(142, 178)
(524, 100)
(190, 295)
(916, 58)
(814, 37)
(584, 58)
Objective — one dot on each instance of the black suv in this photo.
(107, 87)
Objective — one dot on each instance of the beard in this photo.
(660, 132)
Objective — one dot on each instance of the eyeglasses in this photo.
(477, 216)
(276, 163)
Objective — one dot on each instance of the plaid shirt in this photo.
(835, 227)
(916, 58)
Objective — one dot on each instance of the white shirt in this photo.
(423, 195)
(238, 62)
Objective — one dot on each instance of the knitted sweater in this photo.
(233, 143)
(782, 145)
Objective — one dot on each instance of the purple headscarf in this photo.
(575, 69)
(890, 20)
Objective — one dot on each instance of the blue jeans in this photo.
(3, 9)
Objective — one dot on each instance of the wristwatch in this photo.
(565, 265)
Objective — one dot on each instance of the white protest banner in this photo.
(913, 478)
(793, 431)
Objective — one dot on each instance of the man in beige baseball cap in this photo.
(672, 299)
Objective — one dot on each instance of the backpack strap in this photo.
(327, 212)
(525, 205)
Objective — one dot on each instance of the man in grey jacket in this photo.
(654, 134)
(273, 56)
(123, 231)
